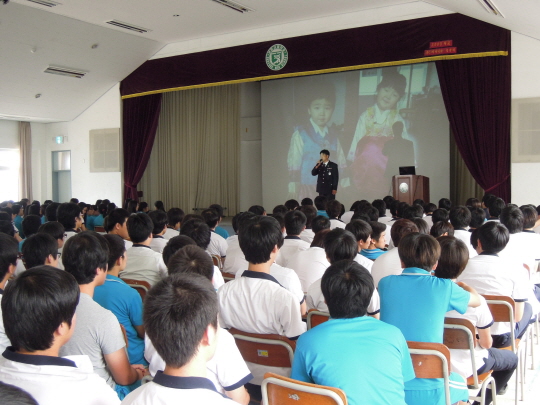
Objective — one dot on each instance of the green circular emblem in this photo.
(277, 57)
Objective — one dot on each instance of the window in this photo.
(9, 174)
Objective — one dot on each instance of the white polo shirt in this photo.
(144, 264)
(523, 247)
(493, 275)
(236, 260)
(336, 223)
(56, 380)
(227, 369)
(170, 233)
(291, 245)
(218, 245)
(460, 359)
(346, 217)
(307, 235)
(309, 265)
(364, 261)
(231, 239)
(386, 265)
(465, 236)
(315, 299)
(166, 389)
(217, 278)
(158, 243)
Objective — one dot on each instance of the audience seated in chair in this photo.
(116, 224)
(159, 220)
(9, 252)
(295, 224)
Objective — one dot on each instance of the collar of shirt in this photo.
(460, 229)
(110, 277)
(415, 271)
(158, 237)
(139, 245)
(528, 231)
(36, 360)
(260, 275)
(488, 254)
(318, 129)
(183, 383)
(293, 237)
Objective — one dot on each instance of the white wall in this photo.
(9, 134)
(525, 84)
(86, 186)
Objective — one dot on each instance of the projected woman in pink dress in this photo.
(366, 160)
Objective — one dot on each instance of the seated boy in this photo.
(122, 300)
(361, 230)
(159, 219)
(333, 209)
(227, 369)
(374, 372)
(70, 216)
(460, 218)
(320, 203)
(175, 216)
(40, 249)
(219, 230)
(180, 316)
(56, 230)
(143, 263)
(310, 212)
(39, 321)
(295, 224)
(416, 302)
(256, 302)
(98, 332)
(116, 224)
(218, 244)
(9, 252)
(377, 245)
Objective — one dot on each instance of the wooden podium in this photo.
(408, 188)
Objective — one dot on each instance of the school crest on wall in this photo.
(277, 57)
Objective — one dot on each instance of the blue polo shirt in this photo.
(372, 254)
(363, 356)
(126, 304)
(222, 232)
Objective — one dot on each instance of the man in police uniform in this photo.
(328, 179)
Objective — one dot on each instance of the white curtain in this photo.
(25, 147)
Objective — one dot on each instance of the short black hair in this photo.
(381, 207)
(361, 230)
(512, 218)
(37, 248)
(259, 209)
(473, 203)
(295, 221)
(478, 217)
(440, 214)
(439, 228)
(306, 201)
(530, 216)
(419, 250)
(67, 214)
(197, 230)
(51, 210)
(445, 203)
(7, 210)
(340, 244)
(177, 312)
(369, 211)
(83, 254)
(4, 216)
(429, 207)
(388, 200)
(9, 251)
(211, 217)
(240, 218)
(347, 288)
(377, 228)
(319, 223)
(6, 228)
(453, 259)
(258, 237)
(394, 208)
(401, 228)
(174, 216)
(291, 205)
(30, 225)
(159, 205)
(320, 202)
(333, 208)
(191, 259)
(460, 216)
(218, 208)
(325, 151)
(143, 205)
(414, 211)
(12, 395)
(495, 207)
(74, 200)
(310, 212)
(35, 304)
(281, 220)
(159, 220)
(117, 248)
(492, 235)
(401, 207)
(116, 216)
(278, 209)
(139, 227)
(53, 228)
(174, 245)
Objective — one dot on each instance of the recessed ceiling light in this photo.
(235, 6)
(94, 46)
(127, 26)
(38, 95)
(491, 7)
(176, 15)
(57, 70)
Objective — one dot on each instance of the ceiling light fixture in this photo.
(46, 3)
(491, 8)
(128, 26)
(57, 70)
(235, 6)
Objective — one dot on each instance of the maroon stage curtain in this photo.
(140, 122)
(477, 97)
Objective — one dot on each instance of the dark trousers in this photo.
(329, 197)
(520, 329)
(503, 363)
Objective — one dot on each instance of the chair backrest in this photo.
(315, 318)
(461, 334)
(431, 360)
(142, 287)
(217, 261)
(265, 349)
(227, 276)
(278, 390)
(503, 309)
(99, 229)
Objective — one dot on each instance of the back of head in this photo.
(401, 228)
(333, 209)
(454, 257)
(318, 239)
(306, 201)
(102, 209)
(175, 216)
(116, 216)
(258, 237)
(512, 218)
(174, 245)
(340, 244)
(67, 214)
(347, 288)
(401, 207)
(414, 211)
(371, 212)
(211, 217)
(310, 212)
(418, 250)
(159, 205)
(31, 224)
(460, 217)
(530, 216)
(381, 207)
(280, 219)
(37, 248)
(496, 205)
(193, 260)
(478, 217)
(6, 228)
(441, 228)
(240, 219)
(83, 254)
(259, 209)
(36, 304)
(139, 227)
(50, 212)
(159, 220)
(295, 222)
(487, 198)
(54, 228)
(429, 208)
(291, 205)
(440, 214)
(177, 312)
(493, 236)
(278, 209)
(143, 206)
(198, 231)
(320, 202)
(117, 249)
(445, 203)
(377, 228)
(388, 200)
(319, 223)
(12, 395)
(218, 208)
(361, 230)
(422, 225)
(9, 251)
(473, 203)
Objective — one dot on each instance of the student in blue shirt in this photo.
(320, 204)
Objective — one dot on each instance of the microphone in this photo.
(320, 161)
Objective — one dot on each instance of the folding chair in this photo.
(278, 390)
(265, 349)
(461, 334)
(227, 276)
(99, 229)
(142, 287)
(431, 360)
(315, 318)
(217, 261)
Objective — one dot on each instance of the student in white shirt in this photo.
(39, 321)
(70, 216)
(218, 244)
(175, 216)
(532, 239)
(310, 212)
(159, 219)
(361, 231)
(116, 224)
(333, 209)
(347, 216)
(40, 249)
(180, 316)
(9, 252)
(295, 223)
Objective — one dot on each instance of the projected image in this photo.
(371, 121)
